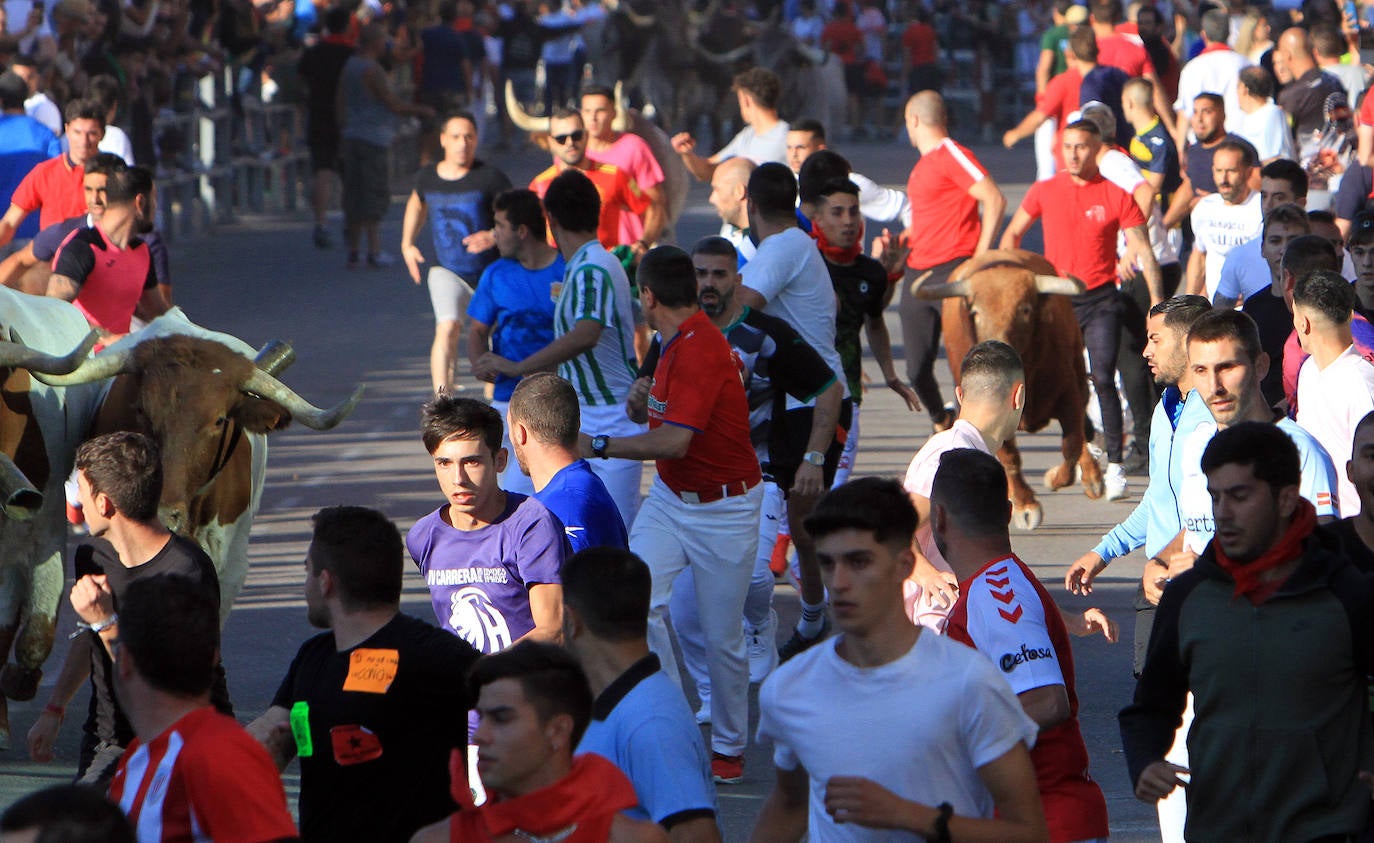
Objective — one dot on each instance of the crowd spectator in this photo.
(320, 67)
(764, 137)
(1263, 123)
(1305, 85)
(55, 185)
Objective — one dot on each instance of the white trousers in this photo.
(1173, 809)
(718, 542)
(1044, 149)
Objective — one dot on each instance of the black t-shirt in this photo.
(181, 557)
(459, 207)
(1200, 162)
(1351, 197)
(1275, 323)
(383, 719)
(321, 66)
(1305, 100)
(1355, 548)
(859, 291)
(46, 242)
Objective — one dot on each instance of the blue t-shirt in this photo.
(24, 142)
(518, 304)
(589, 515)
(479, 580)
(641, 722)
(1103, 84)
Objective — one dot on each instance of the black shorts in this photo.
(366, 192)
(786, 446)
(854, 77)
(324, 151)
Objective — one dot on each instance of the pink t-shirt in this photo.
(631, 154)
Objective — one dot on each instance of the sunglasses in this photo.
(575, 137)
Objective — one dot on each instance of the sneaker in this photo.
(799, 644)
(381, 260)
(704, 713)
(322, 238)
(1136, 461)
(1116, 481)
(727, 769)
(763, 649)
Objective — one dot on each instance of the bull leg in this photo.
(1026, 513)
(14, 581)
(19, 681)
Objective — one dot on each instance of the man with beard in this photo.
(618, 191)
(1208, 122)
(374, 706)
(106, 270)
(1223, 220)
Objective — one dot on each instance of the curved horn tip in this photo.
(948, 290)
(522, 119)
(331, 418)
(1058, 285)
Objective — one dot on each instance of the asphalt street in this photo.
(261, 279)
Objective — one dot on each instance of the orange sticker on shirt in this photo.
(372, 671)
(556, 290)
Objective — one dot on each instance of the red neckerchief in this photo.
(835, 254)
(1212, 48)
(1288, 548)
(337, 39)
(578, 808)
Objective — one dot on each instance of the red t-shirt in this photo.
(919, 41)
(944, 218)
(112, 280)
(618, 192)
(55, 187)
(1367, 111)
(699, 384)
(1058, 101)
(1004, 612)
(205, 778)
(1126, 53)
(1081, 222)
(843, 38)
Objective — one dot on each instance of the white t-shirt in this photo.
(1331, 402)
(1218, 228)
(1213, 72)
(45, 111)
(739, 238)
(769, 146)
(920, 477)
(920, 726)
(790, 273)
(1244, 272)
(881, 204)
(1121, 170)
(1267, 128)
(1195, 504)
(117, 141)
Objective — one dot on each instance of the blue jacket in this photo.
(1154, 523)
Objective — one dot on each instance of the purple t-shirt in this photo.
(479, 580)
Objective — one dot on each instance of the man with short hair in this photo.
(946, 187)
(119, 476)
(1245, 271)
(107, 270)
(702, 511)
(1060, 98)
(511, 313)
(960, 771)
(1305, 85)
(1336, 384)
(67, 812)
(54, 186)
(1208, 122)
(730, 197)
(37, 104)
(1267, 568)
(25, 140)
(1080, 241)
(632, 155)
(593, 344)
(1357, 531)
(618, 192)
(371, 705)
(764, 137)
(533, 705)
(878, 203)
(455, 195)
(192, 771)
(320, 67)
(1005, 613)
(1262, 122)
(544, 421)
(1215, 70)
(640, 720)
(1223, 220)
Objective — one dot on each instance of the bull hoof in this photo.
(19, 683)
(1027, 517)
(1094, 488)
(1056, 478)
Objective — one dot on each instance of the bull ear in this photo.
(259, 415)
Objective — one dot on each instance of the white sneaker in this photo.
(1116, 481)
(763, 648)
(704, 713)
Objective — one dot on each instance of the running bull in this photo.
(1016, 296)
(197, 392)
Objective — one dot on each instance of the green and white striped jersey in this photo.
(596, 287)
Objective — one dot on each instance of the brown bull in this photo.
(1015, 296)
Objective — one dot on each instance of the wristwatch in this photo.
(599, 443)
(816, 458)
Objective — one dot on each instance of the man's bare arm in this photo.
(656, 217)
(546, 608)
(76, 667)
(12, 268)
(784, 815)
(62, 287)
(273, 731)
(1016, 229)
(994, 205)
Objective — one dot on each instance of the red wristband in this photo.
(894, 277)
(59, 710)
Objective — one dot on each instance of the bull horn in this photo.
(17, 355)
(263, 384)
(915, 287)
(1053, 285)
(701, 17)
(951, 290)
(522, 120)
(725, 58)
(93, 369)
(621, 123)
(640, 21)
(19, 500)
(275, 357)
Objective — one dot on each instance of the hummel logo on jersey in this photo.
(1009, 661)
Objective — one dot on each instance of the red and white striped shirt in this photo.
(204, 779)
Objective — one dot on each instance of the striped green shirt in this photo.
(595, 287)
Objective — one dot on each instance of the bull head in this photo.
(522, 119)
(1049, 285)
(16, 355)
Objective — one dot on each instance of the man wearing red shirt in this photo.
(945, 189)
(1083, 212)
(702, 511)
(1004, 612)
(1059, 99)
(619, 193)
(55, 186)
